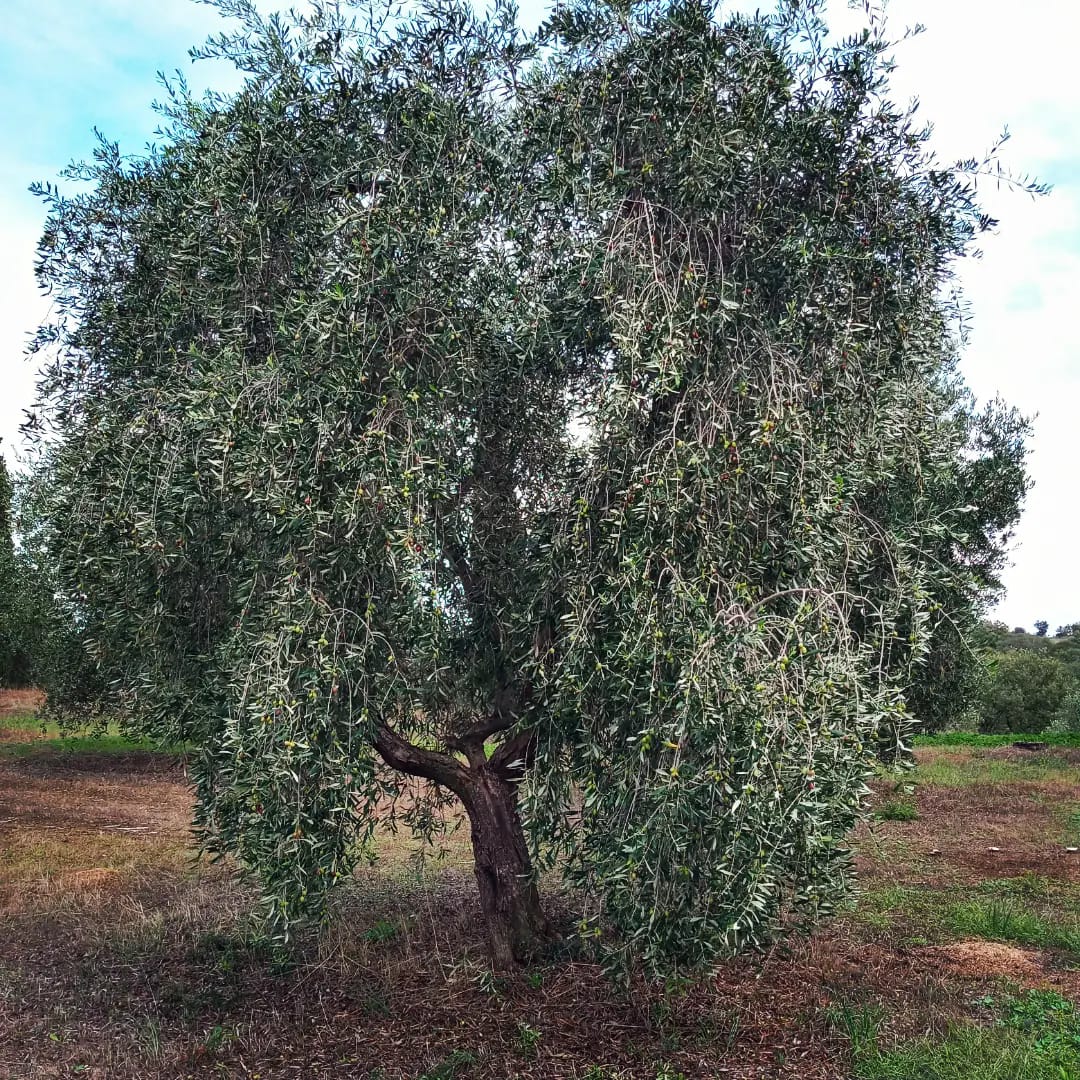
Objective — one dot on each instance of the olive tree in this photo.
(13, 661)
(27, 610)
(546, 425)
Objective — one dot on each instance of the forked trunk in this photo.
(516, 924)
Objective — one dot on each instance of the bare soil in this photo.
(124, 957)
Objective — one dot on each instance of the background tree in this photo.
(1025, 692)
(14, 663)
(40, 640)
(565, 427)
(25, 601)
(1041, 627)
(983, 480)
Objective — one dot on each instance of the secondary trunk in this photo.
(516, 924)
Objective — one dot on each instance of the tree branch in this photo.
(402, 755)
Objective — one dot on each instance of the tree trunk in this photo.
(516, 924)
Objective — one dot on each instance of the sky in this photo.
(67, 68)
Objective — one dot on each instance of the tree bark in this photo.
(516, 924)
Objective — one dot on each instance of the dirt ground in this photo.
(123, 955)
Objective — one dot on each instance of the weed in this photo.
(1006, 920)
(666, 1072)
(142, 939)
(450, 1066)
(382, 931)
(376, 1003)
(79, 744)
(860, 1024)
(1052, 1019)
(967, 738)
(1028, 885)
(149, 1039)
(489, 983)
(897, 810)
(722, 1029)
(1072, 828)
(228, 953)
(922, 911)
(956, 770)
(217, 1037)
(1038, 1038)
(535, 979)
(528, 1039)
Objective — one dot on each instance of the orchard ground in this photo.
(123, 956)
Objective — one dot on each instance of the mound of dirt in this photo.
(986, 959)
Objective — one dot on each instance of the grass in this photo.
(49, 737)
(956, 770)
(974, 739)
(27, 721)
(38, 735)
(905, 913)
(1025, 910)
(1034, 1037)
(1071, 834)
(167, 971)
(897, 810)
(78, 744)
(450, 1067)
(1007, 920)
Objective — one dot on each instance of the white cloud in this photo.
(975, 71)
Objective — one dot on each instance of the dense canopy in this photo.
(564, 424)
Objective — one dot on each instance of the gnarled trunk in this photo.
(516, 924)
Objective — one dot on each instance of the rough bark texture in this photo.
(517, 926)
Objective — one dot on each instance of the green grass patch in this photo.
(1005, 919)
(969, 738)
(1034, 1037)
(954, 771)
(1071, 832)
(79, 744)
(1026, 886)
(906, 913)
(897, 810)
(27, 721)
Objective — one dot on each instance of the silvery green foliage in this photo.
(594, 383)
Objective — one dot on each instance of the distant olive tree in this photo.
(14, 662)
(25, 601)
(566, 427)
(983, 487)
(1066, 720)
(1024, 693)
